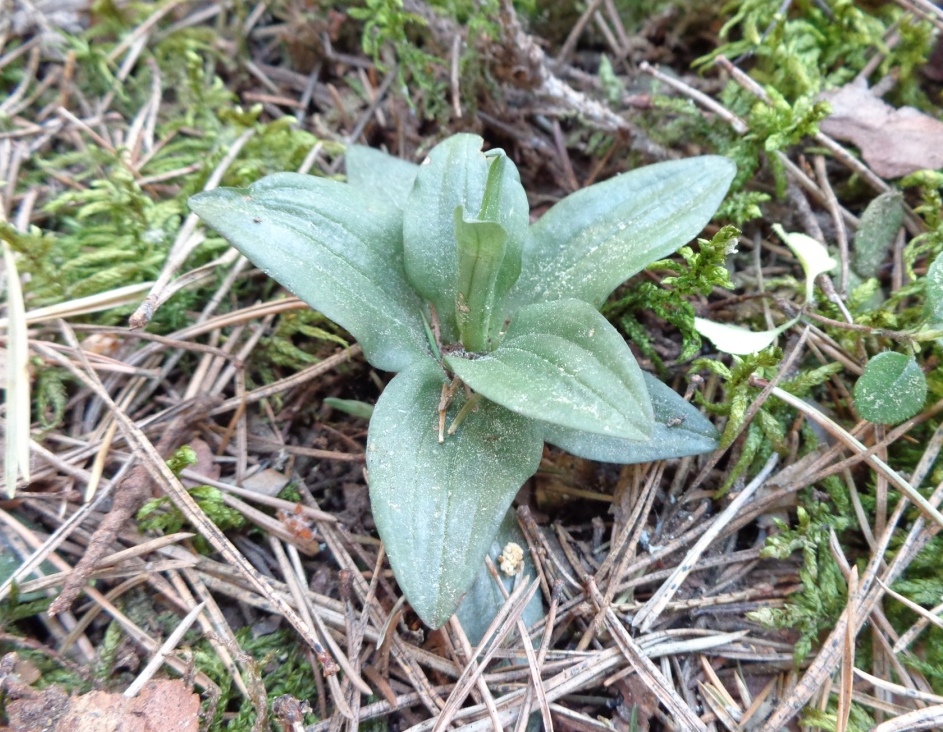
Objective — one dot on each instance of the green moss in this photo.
(279, 660)
(817, 606)
(815, 45)
(698, 273)
(105, 225)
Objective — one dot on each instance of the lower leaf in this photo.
(437, 505)
(562, 362)
(484, 599)
(679, 430)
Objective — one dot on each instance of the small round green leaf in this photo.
(934, 293)
(891, 389)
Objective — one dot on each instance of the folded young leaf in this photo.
(505, 203)
(562, 362)
(380, 176)
(453, 175)
(438, 506)
(332, 246)
(595, 239)
(679, 430)
(481, 247)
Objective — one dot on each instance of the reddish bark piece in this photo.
(894, 142)
(34, 710)
(165, 705)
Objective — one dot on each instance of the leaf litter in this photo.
(718, 659)
(894, 142)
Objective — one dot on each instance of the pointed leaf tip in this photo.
(679, 430)
(333, 247)
(595, 239)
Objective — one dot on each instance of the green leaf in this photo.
(438, 506)
(333, 247)
(934, 293)
(380, 176)
(595, 239)
(679, 430)
(484, 600)
(891, 389)
(481, 248)
(876, 233)
(489, 254)
(505, 203)
(353, 407)
(454, 174)
(562, 362)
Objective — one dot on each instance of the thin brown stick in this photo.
(130, 495)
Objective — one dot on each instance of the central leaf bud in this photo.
(442, 247)
(489, 249)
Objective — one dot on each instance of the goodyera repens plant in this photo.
(491, 322)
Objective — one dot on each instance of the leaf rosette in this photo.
(491, 322)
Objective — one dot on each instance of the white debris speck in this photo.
(511, 560)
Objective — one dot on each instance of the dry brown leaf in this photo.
(634, 693)
(893, 142)
(268, 482)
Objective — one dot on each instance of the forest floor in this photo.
(788, 580)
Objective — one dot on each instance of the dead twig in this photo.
(129, 496)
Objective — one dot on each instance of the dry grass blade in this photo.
(162, 474)
(846, 685)
(288, 382)
(647, 671)
(826, 660)
(842, 434)
(98, 466)
(339, 654)
(16, 401)
(502, 624)
(462, 651)
(168, 645)
(930, 718)
(538, 663)
(185, 242)
(721, 705)
(647, 616)
(897, 689)
(580, 675)
(927, 617)
(84, 305)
